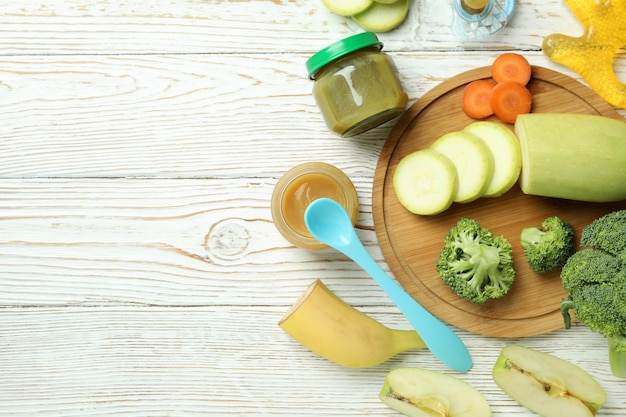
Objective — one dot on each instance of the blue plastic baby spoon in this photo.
(329, 223)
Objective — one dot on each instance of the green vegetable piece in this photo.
(505, 148)
(347, 7)
(548, 247)
(572, 156)
(595, 278)
(617, 355)
(477, 265)
(607, 232)
(588, 266)
(473, 161)
(383, 17)
(425, 182)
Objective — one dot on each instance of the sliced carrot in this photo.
(509, 99)
(511, 67)
(477, 99)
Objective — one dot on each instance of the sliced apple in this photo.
(506, 151)
(383, 17)
(386, 1)
(347, 7)
(473, 161)
(547, 385)
(417, 392)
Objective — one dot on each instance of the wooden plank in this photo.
(221, 361)
(217, 26)
(160, 241)
(184, 116)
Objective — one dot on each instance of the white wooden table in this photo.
(140, 272)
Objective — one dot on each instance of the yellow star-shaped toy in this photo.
(592, 54)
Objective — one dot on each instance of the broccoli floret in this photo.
(548, 247)
(607, 233)
(588, 266)
(595, 278)
(597, 307)
(477, 265)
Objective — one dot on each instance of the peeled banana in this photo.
(332, 328)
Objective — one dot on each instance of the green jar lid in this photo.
(341, 48)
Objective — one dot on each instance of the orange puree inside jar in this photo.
(302, 191)
(298, 188)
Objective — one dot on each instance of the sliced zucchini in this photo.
(506, 151)
(383, 17)
(347, 7)
(425, 182)
(473, 162)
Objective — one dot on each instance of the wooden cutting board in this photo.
(411, 243)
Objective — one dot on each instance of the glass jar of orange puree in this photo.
(356, 85)
(298, 188)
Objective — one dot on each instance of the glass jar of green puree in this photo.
(356, 85)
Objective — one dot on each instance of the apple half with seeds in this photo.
(547, 385)
(417, 392)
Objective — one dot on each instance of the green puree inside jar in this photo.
(359, 90)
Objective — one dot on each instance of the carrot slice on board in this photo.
(511, 67)
(477, 99)
(509, 99)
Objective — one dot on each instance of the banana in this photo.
(335, 330)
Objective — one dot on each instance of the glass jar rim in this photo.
(340, 48)
(308, 168)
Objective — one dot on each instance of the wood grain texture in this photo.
(412, 244)
(224, 360)
(158, 242)
(35, 27)
(185, 115)
(140, 273)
